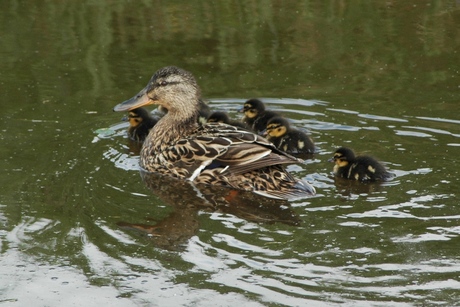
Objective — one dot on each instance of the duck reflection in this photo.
(348, 187)
(134, 147)
(188, 200)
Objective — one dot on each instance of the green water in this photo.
(78, 226)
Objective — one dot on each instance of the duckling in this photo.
(361, 168)
(288, 139)
(214, 153)
(140, 123)
(203, 112)
(222, 117)
(256, 116)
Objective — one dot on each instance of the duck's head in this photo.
(218, 117)
(170, 87)
(137, 116)
(342, 156)
(252, 108)
(276, 127)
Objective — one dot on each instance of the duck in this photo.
(255, 115)
(215, 154)
(286, 138)
(361, 168)
(140, 122)
(222, 117)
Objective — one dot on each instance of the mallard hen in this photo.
(212, 153)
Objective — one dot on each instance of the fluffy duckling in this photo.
(361, 168)
(214, 153)
(203, 112)
(140, 123)
(222, 117)
(286, 138)
(256, 116)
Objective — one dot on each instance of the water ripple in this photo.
(358, 244)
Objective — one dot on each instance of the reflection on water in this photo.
(349, 187)
(188, 199)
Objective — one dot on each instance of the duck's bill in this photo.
(139, 100)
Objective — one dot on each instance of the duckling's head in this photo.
(277, 127)
(253, 107)
(170, 87)
(137, 116)
(343, 156)
(218, 117)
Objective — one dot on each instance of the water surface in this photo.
(79, 226)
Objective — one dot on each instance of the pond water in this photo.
(79, 225)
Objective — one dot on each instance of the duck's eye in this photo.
(163, 83)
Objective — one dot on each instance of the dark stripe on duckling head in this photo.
(251, 113)
(134, 119)
(344, 154)
(252, 107)
(340, 160)
(277, 127)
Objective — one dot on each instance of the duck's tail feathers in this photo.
(301, 189)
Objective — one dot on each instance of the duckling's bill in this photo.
(139, 100)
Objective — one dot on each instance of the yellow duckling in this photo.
(140, 122)
(256, 116)
(361, 168)
(213, 153)
(286, 138)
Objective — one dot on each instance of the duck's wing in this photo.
(243, 156)
(237, 150)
